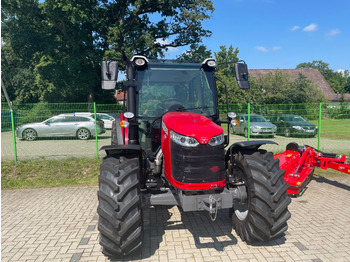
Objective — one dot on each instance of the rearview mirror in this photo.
(109, 73)
(242, 75)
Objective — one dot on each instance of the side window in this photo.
(56, 120)
(70, 119)
(84, 119)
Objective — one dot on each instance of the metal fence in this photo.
(13, 148)
(331, 119)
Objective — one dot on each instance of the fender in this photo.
(245, 145)
(122, 149)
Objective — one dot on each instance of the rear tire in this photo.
(120, 212)
(263, 216)
(83, 134)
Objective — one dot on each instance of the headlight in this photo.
(183, 140)
(217, 140)
(297, 127)
(255, 128)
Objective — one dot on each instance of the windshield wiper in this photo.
(179, 109)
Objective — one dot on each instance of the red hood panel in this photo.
(192, 124)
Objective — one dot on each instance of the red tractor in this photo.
(169, 149)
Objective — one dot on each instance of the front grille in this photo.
(266, 130)
(200, 164)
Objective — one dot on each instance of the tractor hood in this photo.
(193, 125)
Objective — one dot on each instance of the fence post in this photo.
(96, 138)
(13, 136)
(319, 126)
(248, 122)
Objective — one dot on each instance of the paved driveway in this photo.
(60, 224)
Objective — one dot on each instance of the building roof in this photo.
(119, 95)
(313, 74)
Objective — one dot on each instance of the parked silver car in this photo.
(259, 126)
(64, 125)
(107, 119)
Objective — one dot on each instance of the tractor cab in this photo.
(166, 86)
(157, 87)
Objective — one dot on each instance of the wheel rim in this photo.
(29, 134)
(241, 211)
(83, 134)
(286, 132)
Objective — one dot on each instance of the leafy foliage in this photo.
(274, 88)
(279, 88)
(196, 53)
(226, 73)
(52, 49)
(339, 81)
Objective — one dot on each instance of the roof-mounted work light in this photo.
(209, 64)
(139, 61)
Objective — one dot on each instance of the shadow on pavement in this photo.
(320, 179)
(206, 233)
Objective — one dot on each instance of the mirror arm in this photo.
(230, 62)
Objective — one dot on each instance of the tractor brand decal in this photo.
(165, 129)
(204, 140)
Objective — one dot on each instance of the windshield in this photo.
(162, 86)
(295, 119)
(255, 118)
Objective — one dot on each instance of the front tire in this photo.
(264, 214)
(29, 134)
(120, 212)
(287, 132)
(245, 132)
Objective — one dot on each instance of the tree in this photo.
(279, 88)
(337, 80)
(59, 44)
(226, 73)
(196, 53)
(320, 65)
(347, 84)
(150, 27)
(53, 40)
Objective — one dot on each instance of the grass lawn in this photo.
(334, 128)
(50, 173)
(42, 173)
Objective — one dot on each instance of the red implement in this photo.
(299, 163)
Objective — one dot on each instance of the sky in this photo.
(280, 34)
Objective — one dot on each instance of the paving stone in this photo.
(60, 224)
